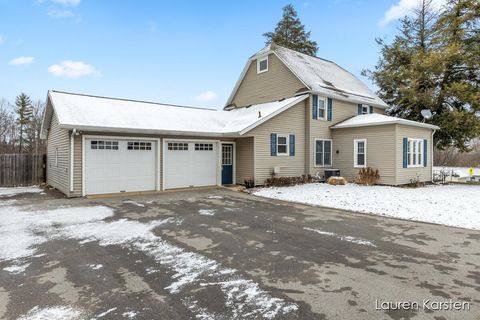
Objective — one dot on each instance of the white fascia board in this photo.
(413, 124)
(148, 131)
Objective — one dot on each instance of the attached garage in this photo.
(99, 145)
(114, 165)
(190, 163)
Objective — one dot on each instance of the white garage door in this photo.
(190, 164)
(119, 165)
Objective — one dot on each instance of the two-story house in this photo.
(289, 114)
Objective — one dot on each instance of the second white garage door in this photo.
(190, 164)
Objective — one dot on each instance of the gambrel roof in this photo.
(320, 76)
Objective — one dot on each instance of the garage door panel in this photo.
(186, 165)
(120, 169)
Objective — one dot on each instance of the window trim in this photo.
(56, 157)
(323, 157)
(414, 154)
(325, 102)
(287, 144)
(265, 58)
(355, 153)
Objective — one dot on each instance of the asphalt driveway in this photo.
(219, 254)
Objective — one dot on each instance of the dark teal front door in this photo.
(227, 163)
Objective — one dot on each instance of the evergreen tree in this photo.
(457, 59)
(290, 33)
(433, 64)
(24, 114)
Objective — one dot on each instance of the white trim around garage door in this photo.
(157, 166)
(219, 154)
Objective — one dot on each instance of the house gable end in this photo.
(276, 83)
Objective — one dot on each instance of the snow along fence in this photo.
(22, 169)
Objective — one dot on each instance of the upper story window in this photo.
(322, 105)
(365, 109)
(262, 64)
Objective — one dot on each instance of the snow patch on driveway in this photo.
(9, 192)
(343, 238)
(206, 212)
(451, 205)
(21, 231)
(52, 313)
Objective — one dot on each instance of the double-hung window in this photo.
(322, 107)
(360, 153)
(323, 152)
(282, 144)
(415, 153)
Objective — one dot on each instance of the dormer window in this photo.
(262, 64)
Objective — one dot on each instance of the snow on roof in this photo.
(321, 76)
(86, 112)
(375, 119)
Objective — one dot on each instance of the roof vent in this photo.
(259, 114)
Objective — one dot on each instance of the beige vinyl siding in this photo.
(77, 167)
(291, 121)
(58, 175)
(320, 129)
(379, 110)
(405, 174)
(276, 83)
(244, 159)
(380, 151)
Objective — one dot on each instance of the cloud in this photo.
(67, 2)
(404, 8)
(206, 96)
(73, 69)
(19, 61)
(54, 13)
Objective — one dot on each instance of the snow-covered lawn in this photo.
(451, 205)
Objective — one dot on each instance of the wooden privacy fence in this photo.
(22, 169)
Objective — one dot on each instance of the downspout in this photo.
(72, 149)
(432, 153)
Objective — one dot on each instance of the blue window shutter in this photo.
(273, 144)
(329, 109)
(359, 108)
(425, 152)
(405, 152)
(292, 144)
(314, 106)
(370, 108)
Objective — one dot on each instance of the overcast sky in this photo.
(180, 52)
